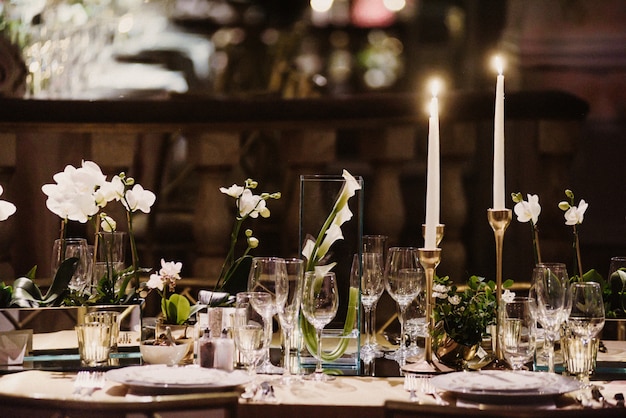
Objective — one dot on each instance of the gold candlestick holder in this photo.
(499, 219)
(429, 259)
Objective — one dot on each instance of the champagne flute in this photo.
(550, 283)
(585, 321)
(289, 312)
(268, 275)
(517, 331)
(369, 270)
(404, 278)
(249, 333)
(320, 301)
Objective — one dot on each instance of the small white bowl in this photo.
(163, 354)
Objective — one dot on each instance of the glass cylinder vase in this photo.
(321, 196)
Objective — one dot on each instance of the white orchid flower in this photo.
(6, 208)
(139, 198)
(576, 214)
(108, 224)
(252, 205)
(528, 210)
(233, 191)
(109, 191)
(171, 269)
(155, 282)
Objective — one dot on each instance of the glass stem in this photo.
(318, 368)
(368, 325)
(550, 347)
(402, 333)
(287, 353)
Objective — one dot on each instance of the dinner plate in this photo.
(504, 385)
(162, 377)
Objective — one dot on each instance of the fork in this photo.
(411, 384)
(87, 383)
(429, 389)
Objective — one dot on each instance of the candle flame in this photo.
(435, 86)
(499, 64)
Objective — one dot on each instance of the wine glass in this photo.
(268, 275)
(369, 271)
(517, 331)
(289, 312)
(416, 325)
(550, 283)
(585, 321)
(320, 300)
(249, 333)
(404, 277)
(73, 247)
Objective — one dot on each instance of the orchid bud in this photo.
(563, 205)
(248, 233)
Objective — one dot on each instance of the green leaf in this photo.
(178, 309)
(60, 282)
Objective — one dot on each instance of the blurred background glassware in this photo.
(111, 255)
(320, 301)
(550, 284)
(65, 248)
(404, 278)
(369, 269)
(585, 321)
(249, 332)
(268, 275)
(289, 313)
(94, 343)
(517, 326)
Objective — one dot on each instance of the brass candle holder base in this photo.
(429, 259)
(499, 219)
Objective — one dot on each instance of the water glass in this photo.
(110, 318)
(249, 332)
(517, 331)
(94, 343)
(289, 312)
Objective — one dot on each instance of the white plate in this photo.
(160, 376)
(504, 385)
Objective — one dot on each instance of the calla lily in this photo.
(332, 234)
(307, 251)
(348, 190)
(321, 271)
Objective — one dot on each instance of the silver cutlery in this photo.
(619, 398)
(429, 389)
(411, 385)
(87, 383)
(598, 397)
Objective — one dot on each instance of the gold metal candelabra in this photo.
(499, 219)
(429, 259)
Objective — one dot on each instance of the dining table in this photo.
(51, 391)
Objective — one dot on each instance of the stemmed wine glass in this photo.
(517, 331)
(585, 321)
(404, 277)
(268, 275)
(289, 312)
(320, 300)
(249, 332)
(369, 270)
(550, 284)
